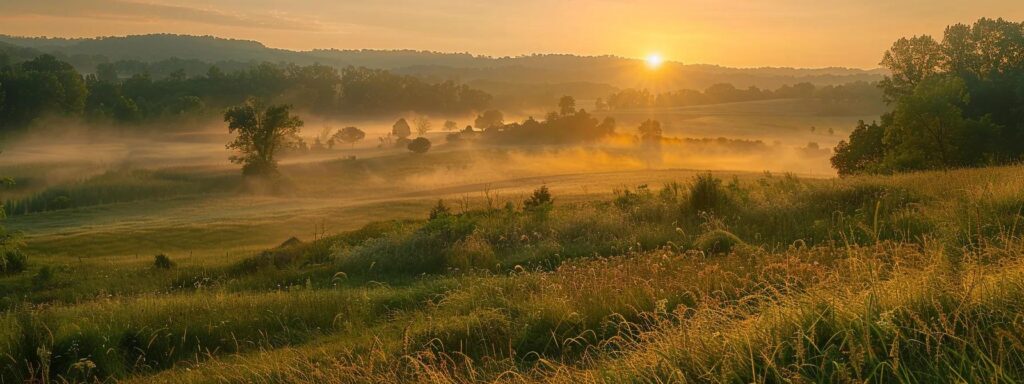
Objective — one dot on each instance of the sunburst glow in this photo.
(654, 61)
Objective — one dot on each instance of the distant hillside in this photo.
(548, 68)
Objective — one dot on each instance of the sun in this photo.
(654, 61)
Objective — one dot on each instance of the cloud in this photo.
(142, 11)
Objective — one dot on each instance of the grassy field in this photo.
(639, 268)
(628, 275)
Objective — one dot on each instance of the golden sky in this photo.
(743, 33)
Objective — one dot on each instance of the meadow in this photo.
(498, 265)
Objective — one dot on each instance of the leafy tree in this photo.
(262, 133)
(650, 130)
(40, 86)
(450, 125)
(350, 135)
(401, 129)
(107, 101)
(489, 119)
(862, 153)
(567, 105)
(419, 145)
(954, 103)
(910, 61)
(928, 126)
(607, 126)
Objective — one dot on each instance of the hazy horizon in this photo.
(787, 34)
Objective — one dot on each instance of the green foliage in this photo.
(12, 260)
(862, 153)
(540, 200)
(161, 261)
(954, 103)
(121, 186)
(819, 260)
(262, 133)
(440, 210)
(707, 194)
(134, 92)
(39, 87)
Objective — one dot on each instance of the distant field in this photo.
(788, 120)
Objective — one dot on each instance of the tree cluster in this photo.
(568, 125)
(728, 93)
(46, 86)
(955, 103)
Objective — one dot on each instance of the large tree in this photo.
(423, 125)
(955, 103)
(350, 135)
(401, 129)
(489, 119)
(567, 105)
(40, 87)
(262, 132)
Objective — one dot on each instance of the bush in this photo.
(717, 241)
(473, 252)
(419, 145)
(161, 261)
(540, 200)
(439, 210)
(12, 261)
(44, 276)
(707, 194)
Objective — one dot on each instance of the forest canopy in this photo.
(47, 86)
(958, 102)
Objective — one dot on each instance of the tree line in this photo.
(47, 86)
(728, 93)
(958, 102)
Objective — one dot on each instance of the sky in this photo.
(737, 33)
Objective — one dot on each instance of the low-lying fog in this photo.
(75, 154)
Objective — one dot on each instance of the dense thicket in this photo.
(47, 86)
(728, 93)
(955, 103)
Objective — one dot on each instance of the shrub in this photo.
(439, 210)
(540, 200)
(161, 261)
(707, 194)
(12, 260)
(44, 276)
(419, 145)
(473, 252)
(717, 241)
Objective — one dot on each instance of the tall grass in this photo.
(913, 278)
(119, 187)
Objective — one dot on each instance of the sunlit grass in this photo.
(910, 278)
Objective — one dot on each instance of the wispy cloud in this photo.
(146, 11)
